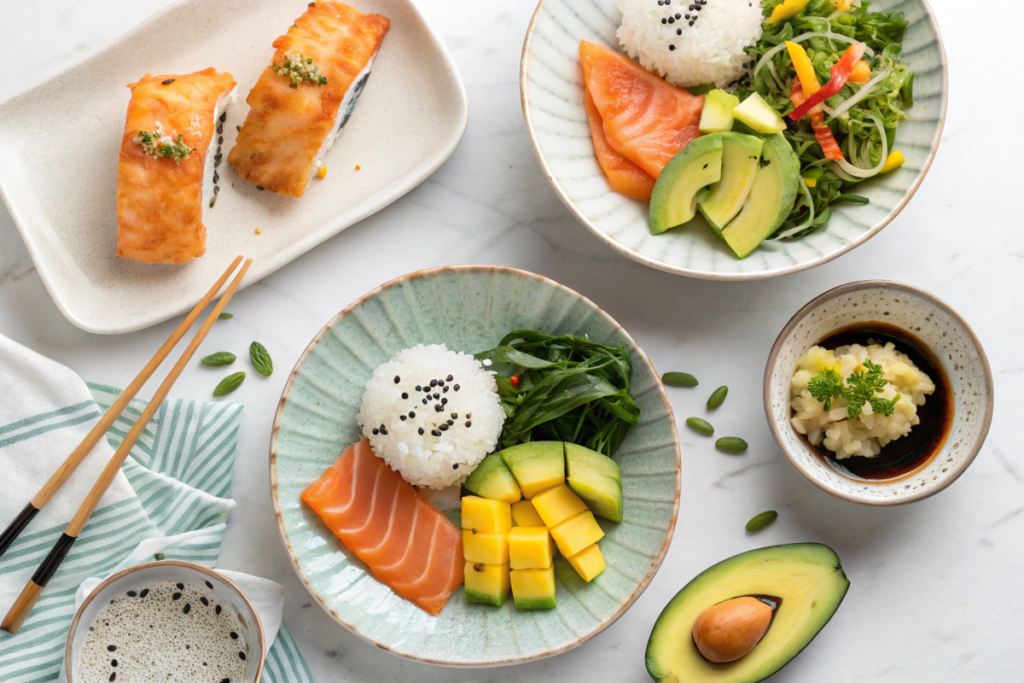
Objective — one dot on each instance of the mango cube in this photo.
(529, 547)
(576, 533)
(488, 516)
(487, 584)
(524, 514)
(479, 547)
(533, 588)
(558, 504)
(588, 563)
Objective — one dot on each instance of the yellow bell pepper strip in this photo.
(840, 75)
(787, 10)
(811, 182)
(804, 68)
(822, 132)
(861, 73)
(894, 161)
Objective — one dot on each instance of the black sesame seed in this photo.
(455, 466)
(436, 395)
(132, 594)
(664, 21)
(187, 608)
(444, 401)
(671, 20)
(226, 680)
(113, 663)
(469, 423)
(679, 31)
(144, 593)
(260, 188)
(455, 416)
(176, 596)
(167, 82)
(438, 407)
(445, 390)
(220, 140)
(677, 15)
(111, 648)
(424, 401)
(376, 431)
(433, 382)
(206, 603)
(112, 676)
(397, 379)
(449, 378)
(218, 156)
(435, 432)
(426, 389)
(405, 395)
(451, 422)
(223, 117)
(420, 430)
(241, 655)
(217, 610)
(403, 418)
(412, 413)
(691, 23)
(419, 388)
(444, 427)
(456, 387)
(181, 586)
(234, 636)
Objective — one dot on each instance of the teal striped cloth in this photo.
(172, 500)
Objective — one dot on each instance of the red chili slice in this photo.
(840, 75)
(821, 130)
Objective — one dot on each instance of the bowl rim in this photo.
(736, 277)
(773, 356)
(261, 636)
(432, 272)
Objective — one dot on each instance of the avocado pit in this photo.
(731, 629)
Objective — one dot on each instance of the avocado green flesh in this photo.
(596, 479)
(674, 199)
(487, 598)
(492, 479)
(740, 157)
(807, 577)
(770, 200)
(535, 461)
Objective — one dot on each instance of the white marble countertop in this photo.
(934, 593)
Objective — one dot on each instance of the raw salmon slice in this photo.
(407, 543)
(646, 119)
(623, 175)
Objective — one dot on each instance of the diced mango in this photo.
(894, 161)
(576, 533)
(787, 10)
(478, 546)
(524, 514)
(487, 584)
(558, 504)
(861, 73)
(529, 547)
(533, 588)
(489, 516)
(588, 563)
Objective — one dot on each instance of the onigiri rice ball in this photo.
(432, 415)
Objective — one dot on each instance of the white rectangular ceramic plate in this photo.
(59, 146)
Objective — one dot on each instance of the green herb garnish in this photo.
(159, 144)
(569, 389)
(299, 68)
(860, 388)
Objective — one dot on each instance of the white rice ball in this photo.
(434, 435)
(710, 51)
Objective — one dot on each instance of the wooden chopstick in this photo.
(98, 432)
(34, 588)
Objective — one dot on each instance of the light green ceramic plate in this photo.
(551, 84)
(469, 308)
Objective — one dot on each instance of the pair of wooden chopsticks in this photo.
(23, 605)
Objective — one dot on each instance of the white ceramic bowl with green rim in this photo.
(938, 327)
(469, 308)
(551, 86)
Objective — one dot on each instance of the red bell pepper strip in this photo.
(840, 75)
(821, 130)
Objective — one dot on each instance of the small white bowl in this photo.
(947, 336)
(224, 591)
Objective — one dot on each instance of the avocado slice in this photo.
(492, 479)
(771, 197)
(806, 579)
(741, 155)
(674, 199)
(716, 116)
(596, 479)
(537, 465)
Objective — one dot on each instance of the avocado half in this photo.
(808, 580)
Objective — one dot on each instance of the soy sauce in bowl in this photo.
(914, 451)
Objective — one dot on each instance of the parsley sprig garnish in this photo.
(860, 388)
(159, 144)
(299, 68)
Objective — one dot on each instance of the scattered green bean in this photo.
(718, 397)
(679, 379)
(758, 522)
(733, 444)
(215, 360)
(159, 556)
(229, 384)
(225, 316)
(702, 426)
(261, 359)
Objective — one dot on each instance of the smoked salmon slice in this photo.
(407, 543)
(646, 119)
(623, 175)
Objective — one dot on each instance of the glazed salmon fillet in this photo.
(160, 198)
(646, 119)
(623, 175)
(291, 124)
(407, 543)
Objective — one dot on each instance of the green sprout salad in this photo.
(862, 116)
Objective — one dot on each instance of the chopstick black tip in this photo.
(49, 566)
(16, 526)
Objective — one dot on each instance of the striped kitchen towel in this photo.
(170, 497)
